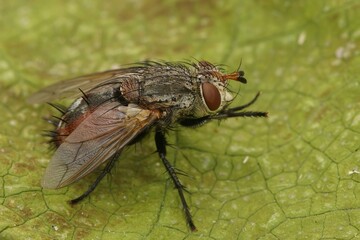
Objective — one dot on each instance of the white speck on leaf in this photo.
(354, 171)
(301, 38)
(344, 53)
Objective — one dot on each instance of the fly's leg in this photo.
(161, 149)
(237, 111)
(92, 187)
(194, 122)
(224, 114)
(246, 105)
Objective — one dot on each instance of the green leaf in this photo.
(294, 175)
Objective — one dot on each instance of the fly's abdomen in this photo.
(69, 121)
(81, 108)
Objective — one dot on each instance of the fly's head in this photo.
(213, 92)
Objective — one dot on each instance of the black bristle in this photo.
(53, 121)
(49, 133)
(85, 97)
(58, 107)
(60, 119)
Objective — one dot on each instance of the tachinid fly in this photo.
(117, 108)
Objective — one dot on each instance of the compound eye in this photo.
(211, 96)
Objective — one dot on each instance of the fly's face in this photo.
(213, 93)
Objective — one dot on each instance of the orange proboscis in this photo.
(224, 77)
(231, 76)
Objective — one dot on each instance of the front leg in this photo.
(161, 149)
(237, 111)
(224, 114)
(194, 122)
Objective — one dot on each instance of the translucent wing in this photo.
(102, 134)
(70, 88)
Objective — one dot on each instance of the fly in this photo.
(116, 108)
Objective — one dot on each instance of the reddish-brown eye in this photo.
(211, 96)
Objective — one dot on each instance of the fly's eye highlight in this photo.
(211, 96)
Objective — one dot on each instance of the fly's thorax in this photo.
(160, 87)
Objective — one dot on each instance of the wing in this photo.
(102, 134)
(70, 88)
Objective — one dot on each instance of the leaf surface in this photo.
(294, 175)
